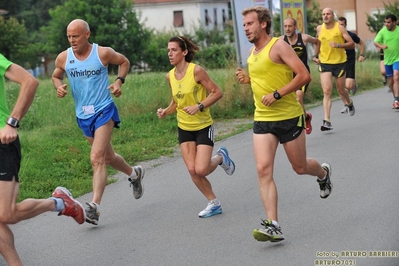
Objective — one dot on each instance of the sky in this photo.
(276, 3)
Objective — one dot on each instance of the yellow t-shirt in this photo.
(266, 77)
(328, 54)
(187, 92)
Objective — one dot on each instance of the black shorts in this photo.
(338, 70)
(285, 130)
(204, 136)
(10, 161)
(350, 70)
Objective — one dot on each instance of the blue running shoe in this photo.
(213, 208)
(228, 165)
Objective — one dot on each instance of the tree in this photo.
(375, 22)
(12, 38)
(112, 23)
(314, 18)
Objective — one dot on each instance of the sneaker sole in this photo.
(325, 129)
(219, 211)
(91, 221)
(259, 236)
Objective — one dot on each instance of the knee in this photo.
(191, 171)
(264, 172)
(97, 160)
(201, 171)
(300, 170)
(7, 217)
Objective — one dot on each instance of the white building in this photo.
(183, 16)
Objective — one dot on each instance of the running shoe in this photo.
(308, 121)
(395, 105)
(213, 208)
(345, 110)
(227, 164)
(269, 233)
(73, 208)
(351, 108)
(92, 214)
(326, 185)
(326, 126)
(354, 90)
(348, 109)
(138, 188)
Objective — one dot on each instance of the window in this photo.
(350, 20)
(207, 18)
(215, 16)
(374, 12)
(178, 19)
(225, 18)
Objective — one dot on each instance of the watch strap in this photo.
(122, 79)
(201, 107)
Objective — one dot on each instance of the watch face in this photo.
(12, 122)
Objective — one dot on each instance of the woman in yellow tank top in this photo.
(193, 92)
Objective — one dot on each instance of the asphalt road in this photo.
(358, 220)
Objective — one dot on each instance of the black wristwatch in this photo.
(201, 107)
(13, 122)
(276, 95)
(122, 79)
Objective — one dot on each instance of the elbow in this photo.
(33, 83)
(220, 96)
(307, 78)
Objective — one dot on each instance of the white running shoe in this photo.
(213, 208)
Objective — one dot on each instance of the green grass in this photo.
(55, 153)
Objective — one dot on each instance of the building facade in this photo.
(183, 16)
(355, 12)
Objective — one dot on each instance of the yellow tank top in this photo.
(329, 55)
(266, 77)
(187, 92)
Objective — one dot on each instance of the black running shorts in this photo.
(350, 70)
(204, 136)
(10, 161)
(285, 130)
(337, 70)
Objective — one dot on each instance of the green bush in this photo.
(216, 56)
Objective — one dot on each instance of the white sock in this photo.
(215, 201)
(322, 179)
(275, 223)
(134, 174)
(97, 205)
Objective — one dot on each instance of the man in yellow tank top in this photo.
(334, 40)
(279, 118)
